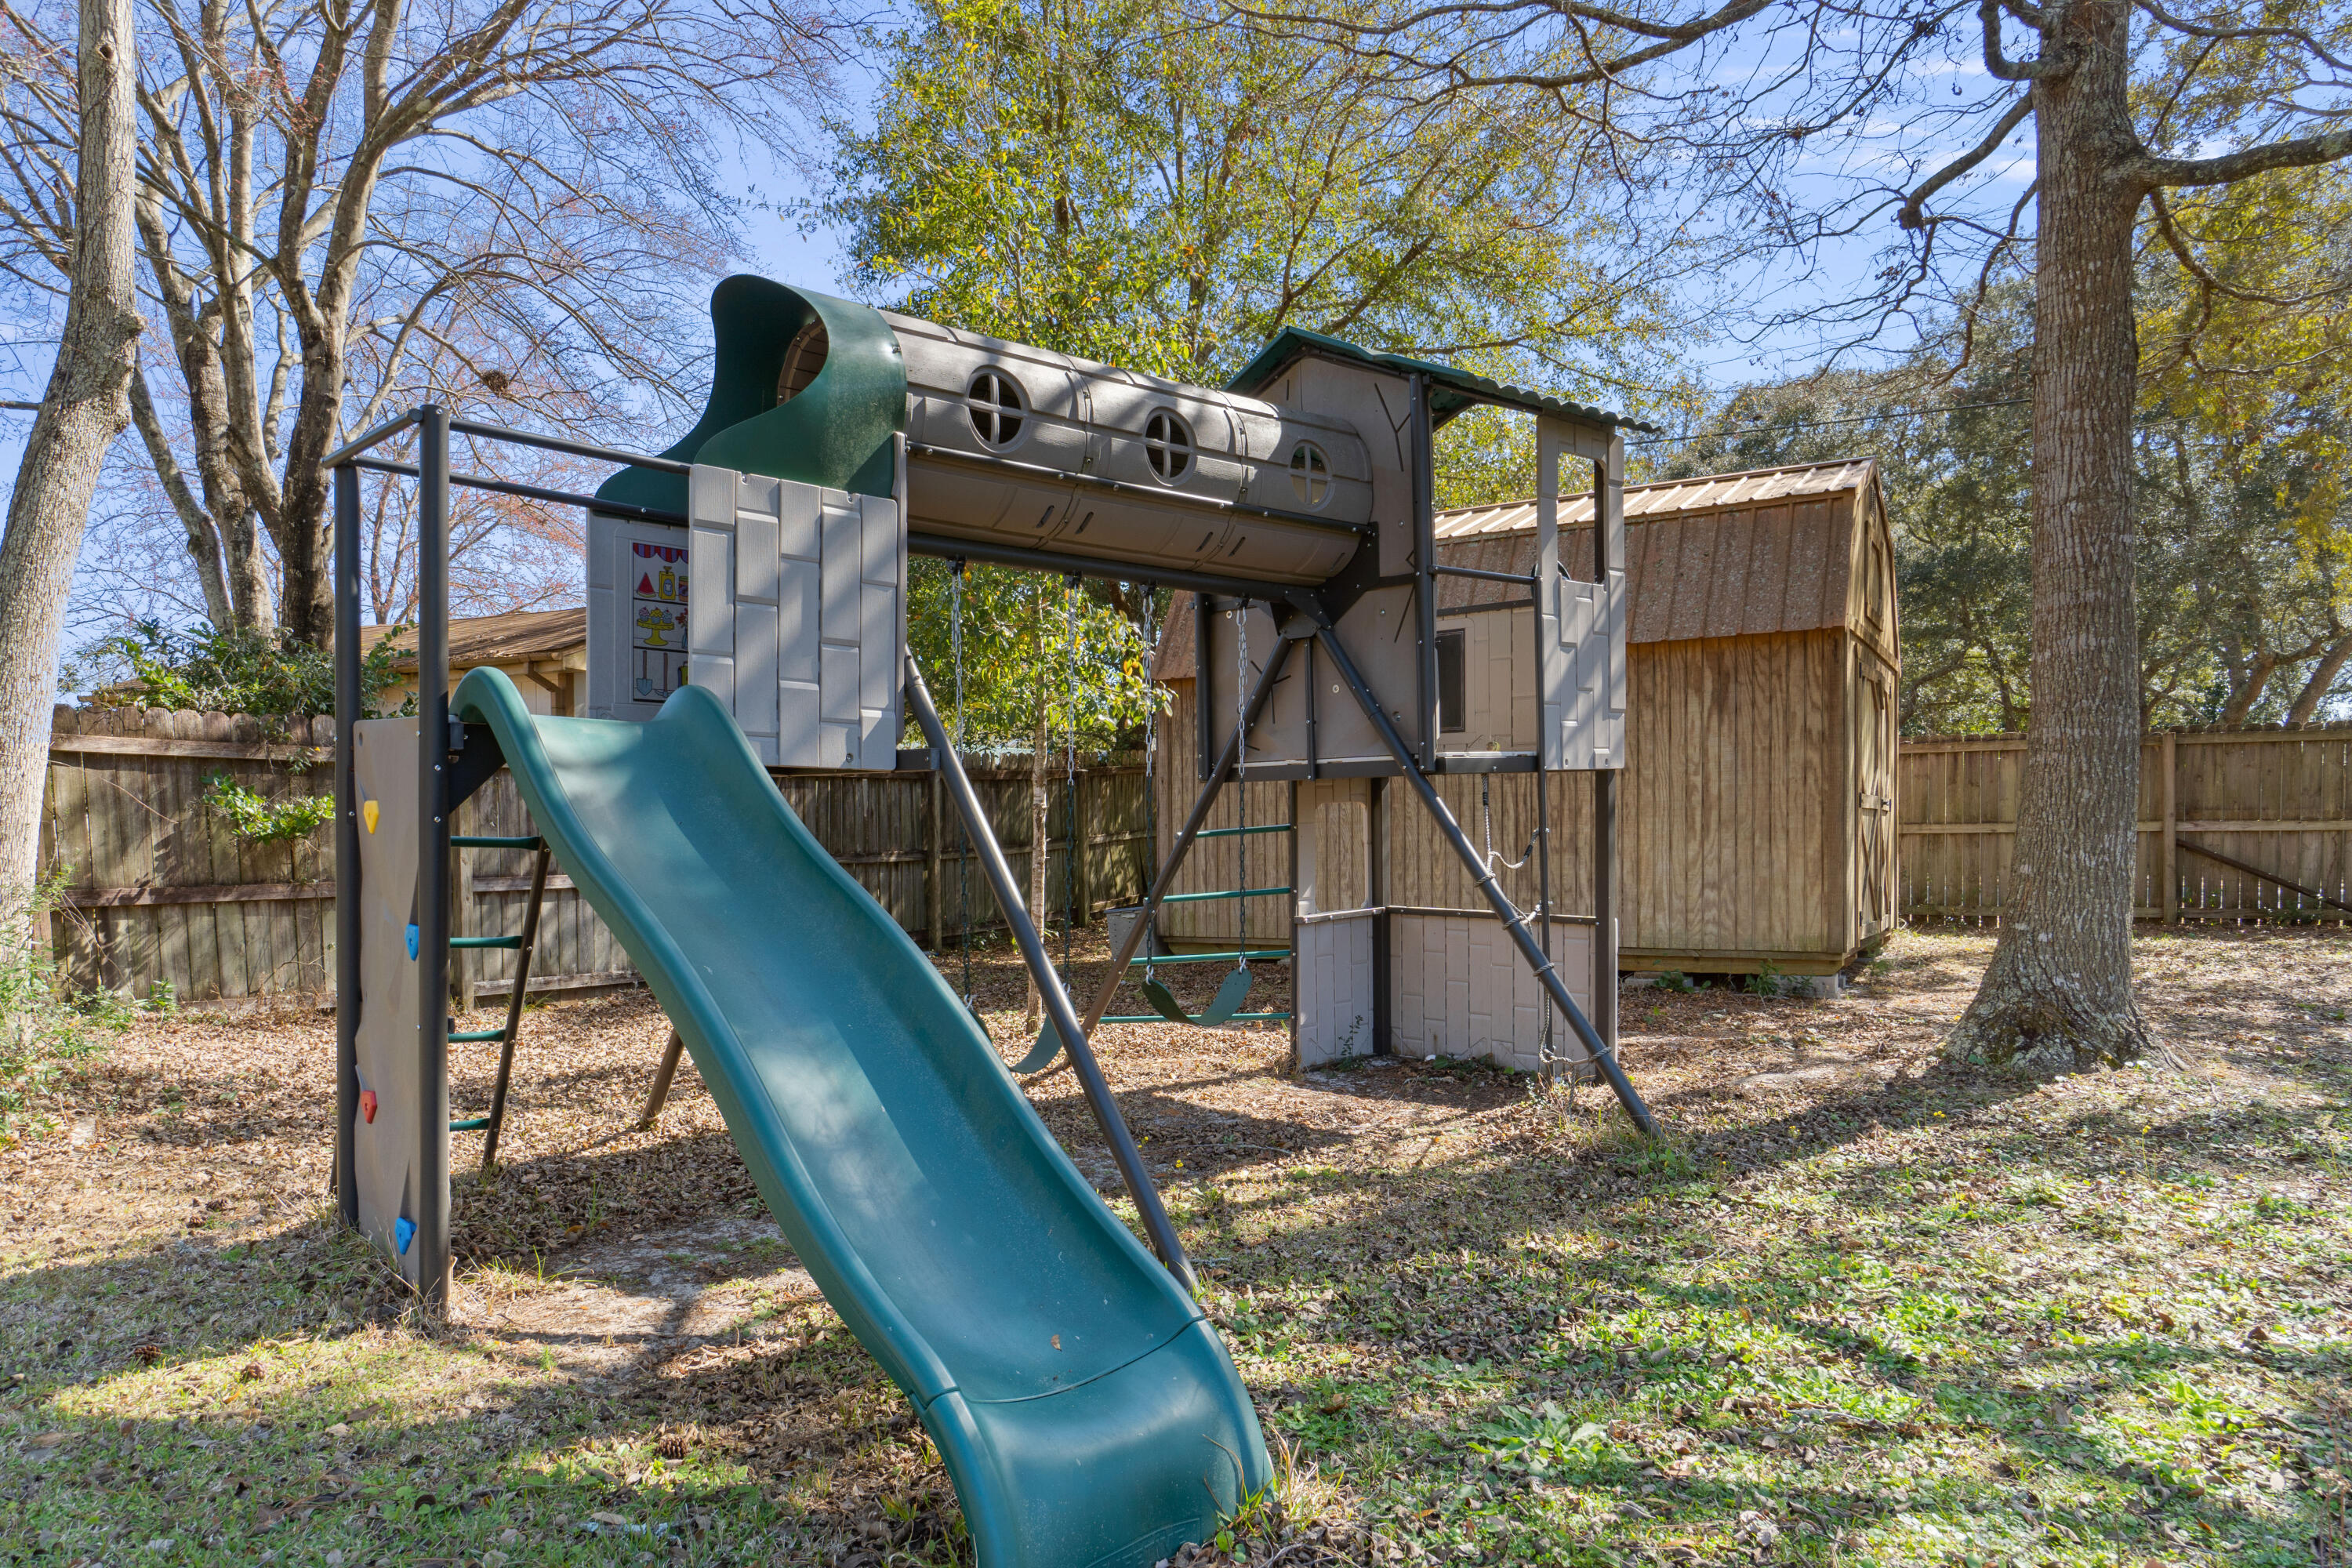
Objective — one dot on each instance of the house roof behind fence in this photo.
(1743, 555)
(494, 639)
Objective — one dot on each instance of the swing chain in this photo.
(1070, 787)
(963, 832)
(1486, 824)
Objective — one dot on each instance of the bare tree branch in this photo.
(1912, 205)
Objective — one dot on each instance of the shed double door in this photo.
(1875, 798)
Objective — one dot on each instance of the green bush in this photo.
(268, 674)
(264, 821)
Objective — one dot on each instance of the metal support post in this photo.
(431, 1241)
(1605, 906)
(347, 841)
(658, 1095)
(1058, 1012)
(1292, 881)
(1547, 974)
(1608, 531)
(1421, 443)
(1201, 707)
(1543, 805)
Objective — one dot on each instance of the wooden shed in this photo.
(1757, 807)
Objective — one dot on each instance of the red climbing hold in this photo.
(367, 1105)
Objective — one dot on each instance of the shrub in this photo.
(241, 669)
(41, 1030)
(264, 821)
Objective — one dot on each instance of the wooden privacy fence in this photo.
(160, 895)
(2234, 825)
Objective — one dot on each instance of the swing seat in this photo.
(1231, 993)
(1227, 1002)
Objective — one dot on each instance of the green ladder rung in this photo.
(478, 1124)
(1156, 1018)
(482, 841)
(1268, 952)
(466, 1037)
(486, 942)
(1237, 832)
(1229, 893)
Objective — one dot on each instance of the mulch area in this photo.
(211, 1131)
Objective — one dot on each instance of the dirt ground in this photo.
(1860, 1307)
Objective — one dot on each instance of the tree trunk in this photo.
(86, 405)
(2323, 680)
(195, 523)
(306, 590)
(2058, 993)
(2251, 681)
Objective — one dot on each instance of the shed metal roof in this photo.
(1667, 497)
(1726, 555)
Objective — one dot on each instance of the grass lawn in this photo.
(1861, 1307)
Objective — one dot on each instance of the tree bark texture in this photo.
(2057, 996)
(85, 406)
(2321, 680)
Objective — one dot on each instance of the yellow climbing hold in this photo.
(367, 813)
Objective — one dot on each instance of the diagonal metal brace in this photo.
(1537, 960)
(1058, 1011)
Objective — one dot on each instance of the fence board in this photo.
(2279, 798)
(160, 892)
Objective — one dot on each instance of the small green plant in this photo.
(1767, 980)
(262, 820)
(41, 1029)
(1676, 980)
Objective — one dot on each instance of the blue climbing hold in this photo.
(404, 1231)
(412, 943)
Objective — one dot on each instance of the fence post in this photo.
(2168, 866)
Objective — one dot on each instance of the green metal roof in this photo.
(1452, 390)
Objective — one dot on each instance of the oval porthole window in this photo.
(1311, 474)
(995, 407)
(803, 357)
(1167, 444)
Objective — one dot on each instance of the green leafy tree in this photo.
(1131, 182)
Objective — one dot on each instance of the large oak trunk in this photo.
(2058, 993)
(84, 407)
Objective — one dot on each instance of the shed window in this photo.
(1311, 474)
(1449, 683)
(995, 407)
(1167, 444)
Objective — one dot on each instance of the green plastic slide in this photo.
(1088, 1414)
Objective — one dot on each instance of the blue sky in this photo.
(775, 245)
